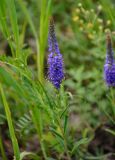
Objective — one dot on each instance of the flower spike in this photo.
(109, 67)
(55, 59)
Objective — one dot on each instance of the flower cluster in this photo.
(89, 22)
(109, 67)
(55, 59)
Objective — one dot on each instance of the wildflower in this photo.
(76, 18)
(108, 22)
(106, 30)
(100, 20)
(55, 59)
(100, 7)
(92, 10)
(89, 25)
(79, 4)
(90, 36)
(100, 28)
(109, 67)
(77, 10)
(81, 29)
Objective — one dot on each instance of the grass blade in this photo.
(37, 120)
(44, 19)
(10, 125)
(2, 149)
(4, 26)
(14, 23)
(28, 17)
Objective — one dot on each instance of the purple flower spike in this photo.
(55, 59)
(109, 67)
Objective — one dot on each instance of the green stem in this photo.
(2, 149)
(10, 125)
(36, 117)
(65, 139)
(112, 102)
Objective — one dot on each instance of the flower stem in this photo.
(2, 148)
(10, 125)
(36, 117)
(65, 139)
(113, 102)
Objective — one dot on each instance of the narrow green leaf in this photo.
(65, 123)
(14, 23)
(10, 125)
(2, 149)
(4, 25)
(37, 120)
(56, 133)
(30, 155)
(10, 81)
(28, 17)
(77, 144)
(110, 131)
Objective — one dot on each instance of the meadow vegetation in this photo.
(39, 118)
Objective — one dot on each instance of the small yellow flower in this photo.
(87, 12)
(100, 20)
(107, 30)
(100, 27)
(77, 10)
(108, 22)
(79, 4)
(90, 36)
(92, 10)
(89, 25)
(81, 28)
(76, 18)
(100, 7)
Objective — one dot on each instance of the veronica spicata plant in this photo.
(55, 59)
(109, 67)
(109, 72)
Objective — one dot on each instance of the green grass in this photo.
(10, 125)
(64, 121)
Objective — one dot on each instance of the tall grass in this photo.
(10, 125)
(40, 35)
(44, 20)
(13, 37)
(2, 148)
(11, 34)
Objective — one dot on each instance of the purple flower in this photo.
(109, 67)
(55, 59)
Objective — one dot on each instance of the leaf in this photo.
(110, 131)
(30, 155)
(28, 17)
(56, 133)
(3, 24)
(24, 123)
(80, 142)
(2, 119)
(65, 123)
(10, 124)
(10, 81)
(13, 21)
